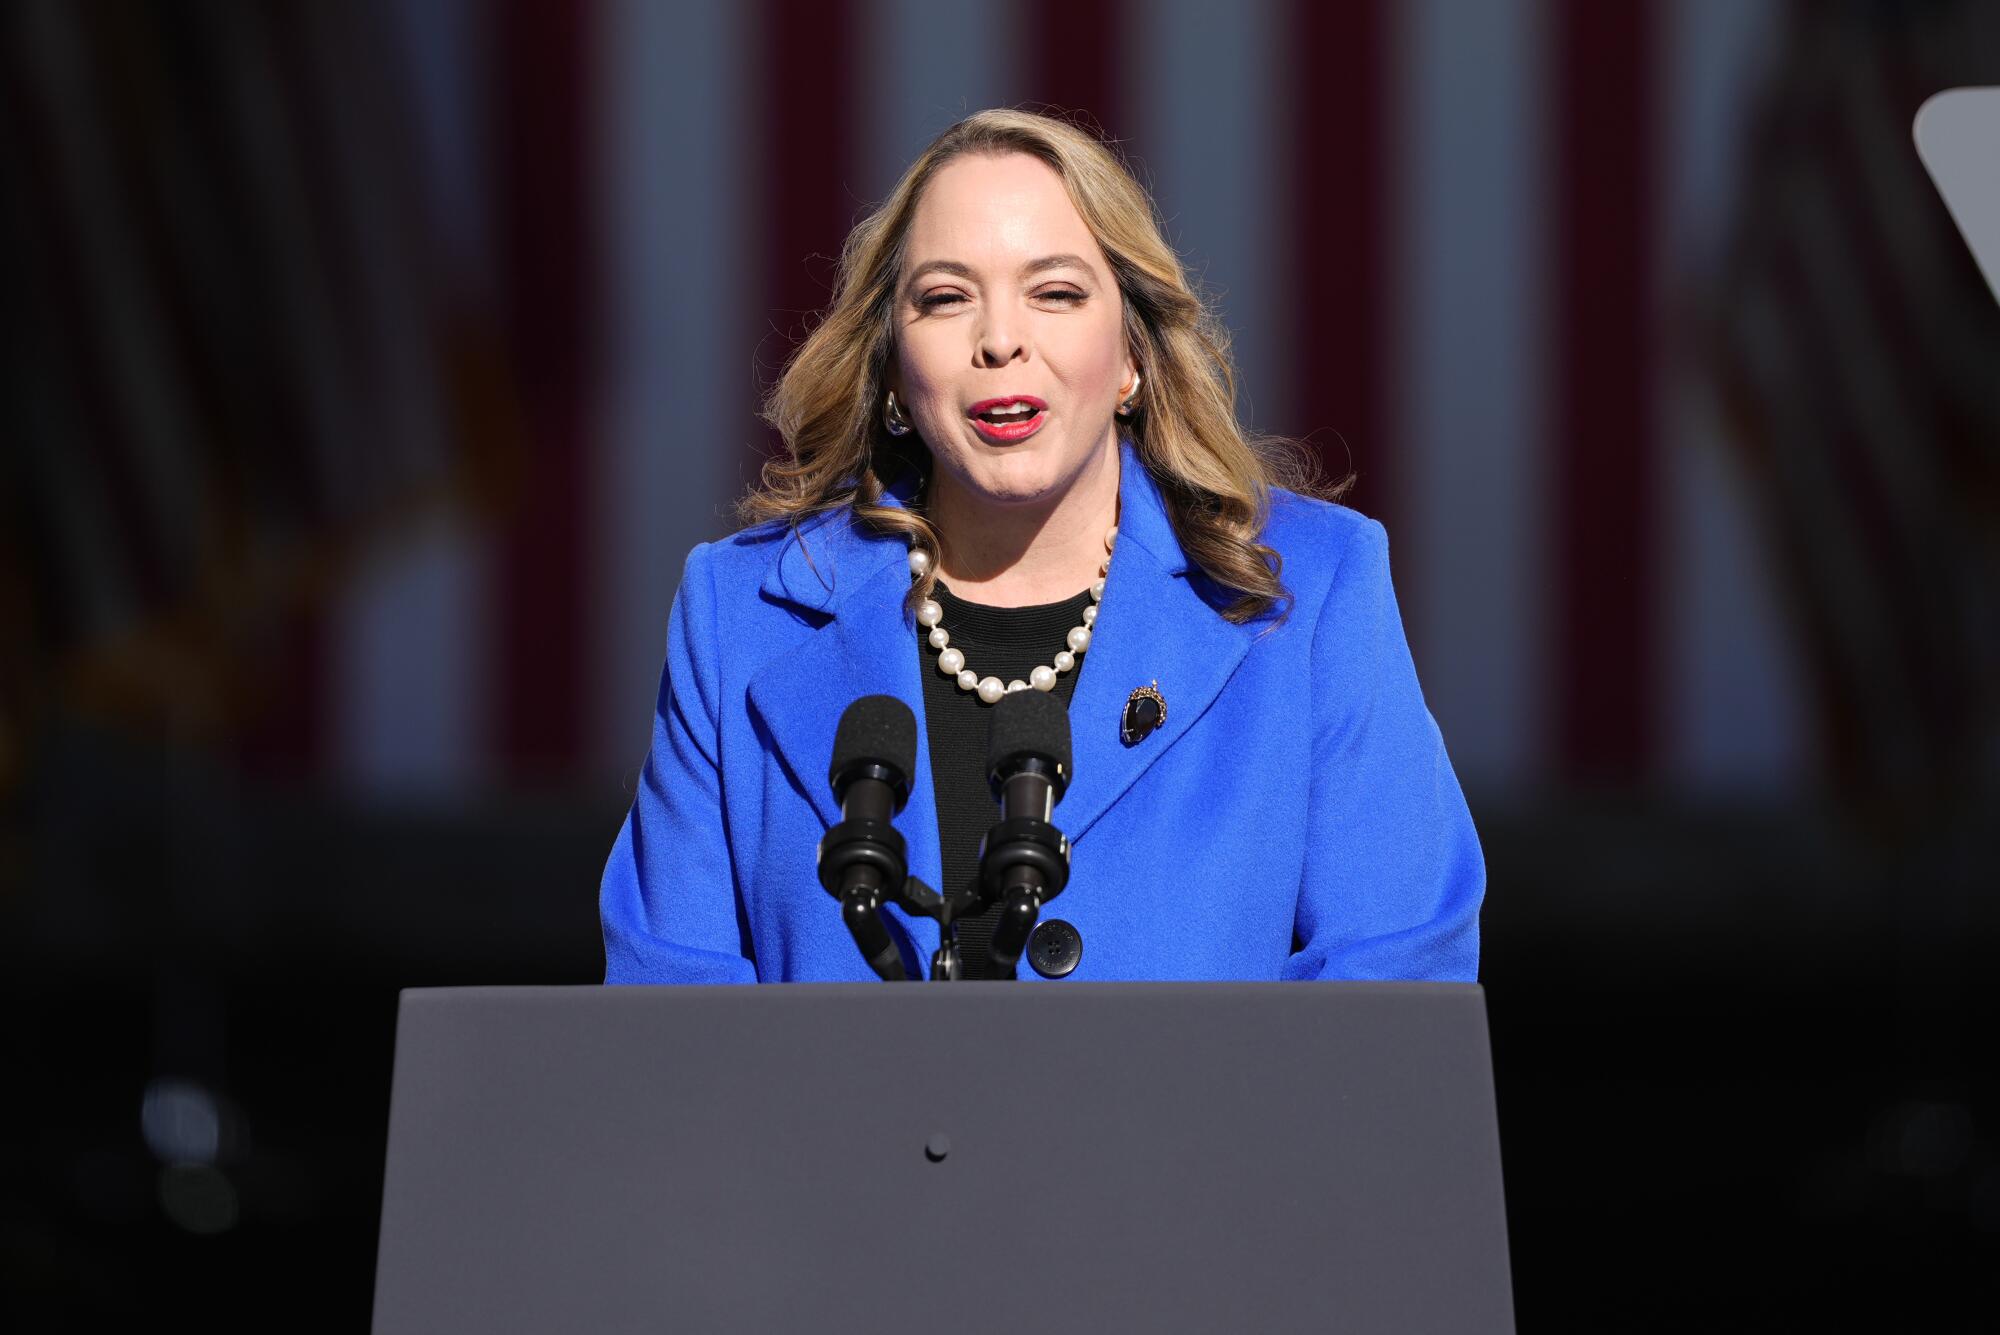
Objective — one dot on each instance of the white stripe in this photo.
(396, 291)
(924, 64)
(410, 667)
(1467, 99)
(1212, 164)
(411, 677)
(677, 379)
(1731, 693)
(443, 51)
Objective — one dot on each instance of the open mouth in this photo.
(1006, 420)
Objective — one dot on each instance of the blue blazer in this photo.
(1294, 817)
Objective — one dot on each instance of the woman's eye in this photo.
(933, 300)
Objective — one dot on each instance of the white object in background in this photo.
(1958, 138)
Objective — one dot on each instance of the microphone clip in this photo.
(920, 901)
(1023, 864)
(864, 863)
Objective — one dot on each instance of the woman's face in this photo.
(1006, 294)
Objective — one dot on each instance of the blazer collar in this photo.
(1153, 626)
(831, 556)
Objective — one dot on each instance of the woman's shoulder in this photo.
(756, 545)
(796, 556)
(1322, 543)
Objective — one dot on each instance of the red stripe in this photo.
(285, 734)
(289, 731)
(1082, 72)
(1342, 192)
(804, 96)
(1602, 397)
(541, 158)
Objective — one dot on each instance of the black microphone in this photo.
(863, 860)
(1024, 860)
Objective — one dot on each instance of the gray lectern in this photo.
(1155, 1157)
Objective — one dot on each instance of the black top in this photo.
(1003, 642)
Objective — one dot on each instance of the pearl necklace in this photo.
(951, 661)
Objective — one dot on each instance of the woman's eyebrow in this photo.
(1062, 261)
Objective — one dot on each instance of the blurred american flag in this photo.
(243, 356)
(1859, 356)
(1466, 247)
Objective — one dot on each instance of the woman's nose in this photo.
(999, 343)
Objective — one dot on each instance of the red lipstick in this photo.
(1003, 421)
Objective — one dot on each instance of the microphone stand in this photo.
(1024, 858)
(1023, 863)
(863, 862)
(919, 900)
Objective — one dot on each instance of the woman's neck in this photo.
(1023, 556)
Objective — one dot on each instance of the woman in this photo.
(1014, 462)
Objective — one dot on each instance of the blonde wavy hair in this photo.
(1215, 479)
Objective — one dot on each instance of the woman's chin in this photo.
(1014, 485)
(1036, 471)
(1008, 474)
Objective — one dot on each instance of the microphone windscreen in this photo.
(1027, 723)
(877, 728)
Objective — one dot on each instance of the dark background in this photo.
(371, 368)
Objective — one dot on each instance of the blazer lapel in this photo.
(1152, 625)
(868, 648)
